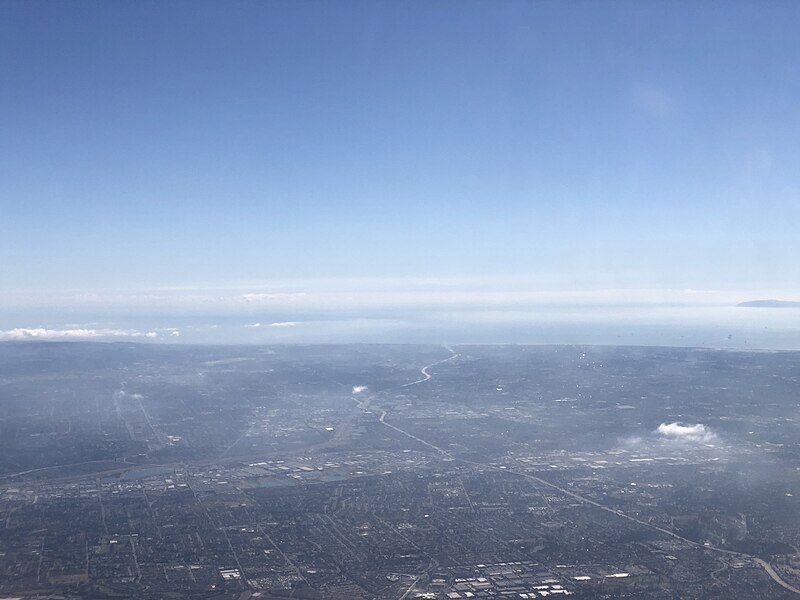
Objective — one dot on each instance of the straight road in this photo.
(762, 563)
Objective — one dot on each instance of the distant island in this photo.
(770, 304)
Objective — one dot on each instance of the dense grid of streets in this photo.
(349, 472)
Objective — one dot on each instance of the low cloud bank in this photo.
(40, 333)
(277, 324)
(274, 297)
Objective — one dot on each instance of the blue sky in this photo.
(244, 146)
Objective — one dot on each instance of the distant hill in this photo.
(770, 304)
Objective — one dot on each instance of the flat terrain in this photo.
(398, 472)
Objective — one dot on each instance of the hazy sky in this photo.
(554, 145)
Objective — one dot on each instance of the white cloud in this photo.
(284, 324)
(173, 331)
(41, 333)
(273, 297)
(697, 433)
(253, 325)
(357, 389)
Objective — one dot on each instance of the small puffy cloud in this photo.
(253, 325)
(41, 333)
(357, 389)
(175, 333)
(681, 432)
